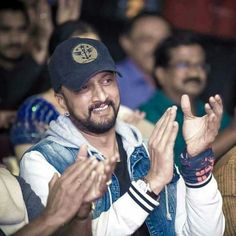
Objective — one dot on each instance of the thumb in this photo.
(82, 152)
(53, 180)
(185, 105)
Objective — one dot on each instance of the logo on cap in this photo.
(84, 53)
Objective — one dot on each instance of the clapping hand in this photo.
(160, 146)
(200, 132)
(103, 174)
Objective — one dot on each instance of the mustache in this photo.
(193, 79)
(13, 46)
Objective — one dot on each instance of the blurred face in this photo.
(146, 34)
(94, 108)
(13, 35)
(186, 73)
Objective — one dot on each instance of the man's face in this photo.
(94, 108)
(146, 34)
(186, 72)
(13, 35)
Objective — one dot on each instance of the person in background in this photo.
(22, 65)
(69, 202)
(139, 39)
(36, 112)
(145, 181)
(181, 68)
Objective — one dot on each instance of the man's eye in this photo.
(107, 81)
(182, 65)
(83, 88)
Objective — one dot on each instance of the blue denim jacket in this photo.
(157, 222)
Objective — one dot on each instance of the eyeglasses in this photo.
(187, 65)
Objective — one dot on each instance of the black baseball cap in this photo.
(76, 60)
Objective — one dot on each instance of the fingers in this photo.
(173, 134)
(84, 187)
(157, 126)
(134, 117)
(213, 126)
(166, 129)
(214, 110)
(53, 180)
(104, 172)
(77, 173)
(214, 106)
(186, 106)
(68, 10)
(164, 126)
(83, 153)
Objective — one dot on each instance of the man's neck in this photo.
(106, 143)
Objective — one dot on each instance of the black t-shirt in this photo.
(26, 79)
(121, 172)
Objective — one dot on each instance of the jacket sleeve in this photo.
(199, 210)
(125, 215)
(37, 172)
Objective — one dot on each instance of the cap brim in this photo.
(75, 84)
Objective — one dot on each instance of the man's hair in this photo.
(129, 24)
(15, 5)
(162, 53)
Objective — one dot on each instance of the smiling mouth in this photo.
(101, 108)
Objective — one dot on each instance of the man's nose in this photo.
(15, 37)
(99, 94)
(193, 70)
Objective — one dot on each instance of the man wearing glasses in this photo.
(180, 68)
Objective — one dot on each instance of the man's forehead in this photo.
(101, 75)
(155, 21)
(186, 50)
(7, 18)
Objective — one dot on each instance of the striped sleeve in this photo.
(141, 198)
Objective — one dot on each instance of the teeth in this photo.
(101, 108)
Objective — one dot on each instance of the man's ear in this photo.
(160, 75)
(61, 101)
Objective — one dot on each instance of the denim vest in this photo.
(157, 222)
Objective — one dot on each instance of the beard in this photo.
(16, 59)
(90, 126)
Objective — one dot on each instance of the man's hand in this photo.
(68, 10)
(104, 170)
(66, 193)
(134, 117)
(200, 132)
(160, 146)
(44, 25)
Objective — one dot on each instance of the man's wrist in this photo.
(150, 191)
(197, 170)
(84, 212)
(145, 186)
